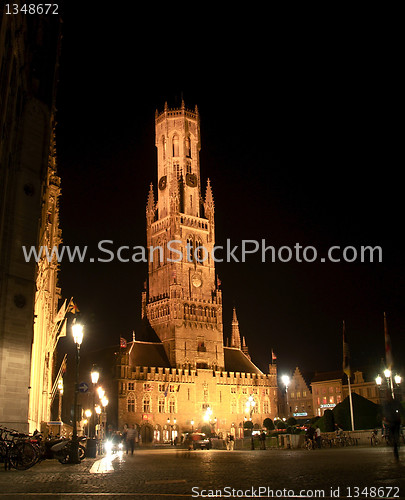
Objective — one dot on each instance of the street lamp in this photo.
(389, 380)
(60, 389)
(249, 407)
(285, 379)
(77, 331)
(94, 379)
(97, 409)
(104, 403)
(88, 414)
(192, 426)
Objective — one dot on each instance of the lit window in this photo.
(131, 403)
(146, 405)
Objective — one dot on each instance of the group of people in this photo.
(314, 436)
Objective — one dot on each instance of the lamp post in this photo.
(389, 380)
(192, 426)
(285, 379)
(104, 404)
(60, 389)
(88, 414)
(94, 379)
(249, 407)
(97, 410)
(77, 331)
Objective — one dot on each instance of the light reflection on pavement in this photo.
(105, 464)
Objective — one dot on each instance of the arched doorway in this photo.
(146, 434)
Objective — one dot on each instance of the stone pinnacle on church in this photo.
(150, 205)
(209, 205)
(235, 340)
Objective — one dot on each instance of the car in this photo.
(198, 440)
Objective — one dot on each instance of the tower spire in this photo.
(235, 340)
(245, 349)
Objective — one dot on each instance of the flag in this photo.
(63, 329)
(219, 283)
(166, 390)
(61, 313)
(273, 356)
(346, 353)
(123, 343)
(388, 351)
(73, 307)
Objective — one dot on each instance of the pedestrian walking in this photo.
(392, 419)
(130, 442)
(231, 442)
(318, 437)
(263, 440)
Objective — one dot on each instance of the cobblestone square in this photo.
(174, 473)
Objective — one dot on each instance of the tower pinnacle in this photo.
(235, 340)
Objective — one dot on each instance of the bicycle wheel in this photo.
(3, 452)
(23, 455)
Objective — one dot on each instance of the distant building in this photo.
(331, 388)
(29, 191)
(186, 378)
(299, 396)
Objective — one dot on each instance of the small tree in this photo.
(280, 424)
(291, 421)
(206, 429)
(268, 423)
(329, 421)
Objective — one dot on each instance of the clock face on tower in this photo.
(162, 183)
(191, 180)
(196, 280)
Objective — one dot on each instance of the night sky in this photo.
(300, 143)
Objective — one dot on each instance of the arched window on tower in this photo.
(164, 148)
(200, 253)
(188, 147)
(190, 250)
(176, 145)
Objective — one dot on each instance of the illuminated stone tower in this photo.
(182, 302)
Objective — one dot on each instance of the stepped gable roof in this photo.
(147, 354)
(237, 361)
(307, 376)
(324, 376)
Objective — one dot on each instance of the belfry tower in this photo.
(182, 300)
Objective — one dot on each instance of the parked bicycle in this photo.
(16, 449)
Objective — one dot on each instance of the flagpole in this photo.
(351, 403)
(388, 354)
(346, 370)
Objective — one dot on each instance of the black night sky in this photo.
(300, 142)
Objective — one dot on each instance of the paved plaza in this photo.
(359, 472)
